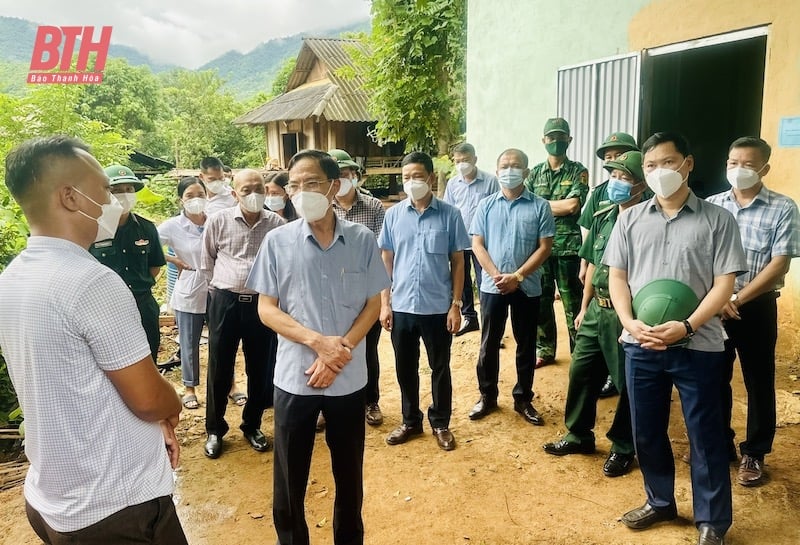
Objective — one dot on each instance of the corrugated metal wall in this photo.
(598, 98)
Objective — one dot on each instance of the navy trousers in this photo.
(698, 376)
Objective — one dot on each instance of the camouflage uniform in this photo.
(597, 350)
(562, 267)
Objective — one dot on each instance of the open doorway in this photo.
(710, 92)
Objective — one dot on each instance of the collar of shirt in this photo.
(187, 224)
(433, 204)
(526, 194)
(306, 232)
(359, 199)
(692, 203)
(36, 242)
(479, 177)
(239, 215)
(764, 195)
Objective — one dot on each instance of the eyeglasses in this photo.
(308, 185)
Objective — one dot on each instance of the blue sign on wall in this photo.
(789, 132)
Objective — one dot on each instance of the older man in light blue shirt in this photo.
(319, 281)
(422, 241)
(512, 235)
(464, 191)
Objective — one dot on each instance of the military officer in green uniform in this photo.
(135, 252)
(597, 350)
(565, 184)
(612, 147)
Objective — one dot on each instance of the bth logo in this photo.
(54, 48)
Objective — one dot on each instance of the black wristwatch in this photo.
(689, 330)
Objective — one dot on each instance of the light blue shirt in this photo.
(422, 244)
(511, 231)
(324, 289)
(466, 195)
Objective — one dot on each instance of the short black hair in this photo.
(518, 152)
(464, 147)
(226, 169)
(208, 163)
(26, 163)
(680, 142)
(753, 142)
(418, 157)
(328, 164)
(188, 182)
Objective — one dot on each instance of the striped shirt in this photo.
(230, 247)
(366, 210)
(770, 227)
(65, 321)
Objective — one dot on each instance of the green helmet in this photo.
(118, 174)
(629, 162)
(621, 140)
(343, 158)
(664, 300)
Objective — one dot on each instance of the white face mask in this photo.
(464, 168)
(344, 186)
(743, 178)
(416, 189)
(311, 205)
(510, 178)
(216, 186)
(254, 202)
(665, 182)
(196, 205)
(276, 203)
(127, 200)
(108, 220)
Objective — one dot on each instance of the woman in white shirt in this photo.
(184, 234)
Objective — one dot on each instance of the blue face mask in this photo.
(619, 191)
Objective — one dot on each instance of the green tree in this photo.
(129, 100)
(415, 73)
(198, 121)
(282, 77)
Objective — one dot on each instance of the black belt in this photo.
(603, 302)
(241, 297)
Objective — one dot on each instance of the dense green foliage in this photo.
(415, 73)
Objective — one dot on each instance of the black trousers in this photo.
(149, 311)
(524, 314)
(754, 338)
(467, 296)
(373, 393)
(295, 422)
(233, 318)
(154, 522)
(407, 330)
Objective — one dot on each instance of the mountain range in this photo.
(245, 74)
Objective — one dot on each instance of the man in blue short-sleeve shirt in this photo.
(319, 281)
(422, 241)
(512, 235)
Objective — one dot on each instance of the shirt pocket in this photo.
(436, 242)
(756, 239)
(352, 290)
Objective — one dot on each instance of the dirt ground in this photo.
(497, 488)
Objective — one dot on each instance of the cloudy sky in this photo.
(190, 33)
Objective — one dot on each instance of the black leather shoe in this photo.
(213, 447)
(562, 448)
(483, 407)
(444, 438)
(469, 325)
(646, 515)
(259, 441)
(530, 414)
(403, 434)
(618, 464)
(709, 536)
(608, 389)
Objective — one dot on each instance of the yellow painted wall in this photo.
(664, 22)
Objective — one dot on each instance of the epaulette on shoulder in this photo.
(602, 211)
